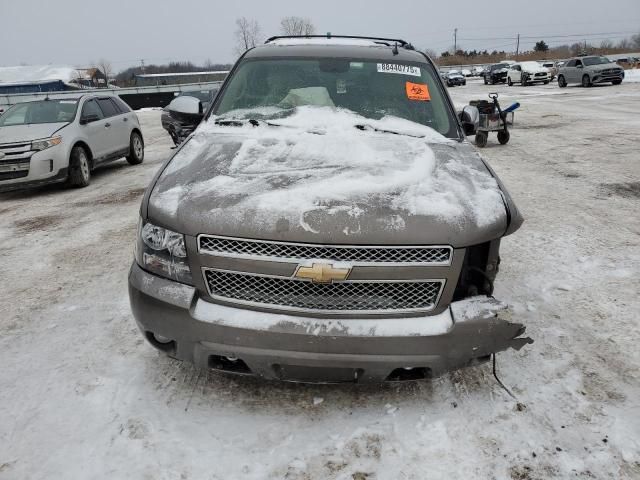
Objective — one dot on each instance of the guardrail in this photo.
(161, 93)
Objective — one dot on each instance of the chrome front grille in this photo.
(369, 296)
(296, 252)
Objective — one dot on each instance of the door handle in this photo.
(107, 125)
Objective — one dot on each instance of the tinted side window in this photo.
(108, 107)
(91, 108)
(571, 63)
(578, 63)
(124, 108)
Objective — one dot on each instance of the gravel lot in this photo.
(83, 396)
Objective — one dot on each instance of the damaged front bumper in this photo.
(291, 348)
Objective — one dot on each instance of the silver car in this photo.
(327, 221)
(61, 139)
(588, 71)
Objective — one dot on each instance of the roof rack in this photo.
(390, 42)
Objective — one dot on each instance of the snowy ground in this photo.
(82, 396)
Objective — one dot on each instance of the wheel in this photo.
(617, 82)
(586, 81)
(503, 137)
(546, 82)
(481, 139)
(79, 168)
(136, 149)
(561, 81)
(509, 82)
(485, 81)
(525, 79)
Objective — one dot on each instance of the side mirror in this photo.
(579, 66)
(470, 119)
(186, 109)
(89, 119)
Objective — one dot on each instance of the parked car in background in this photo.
(590, 70)
(466, 72)
(528, 73)
(64, 138)
(478, 71)
(179, 125)
(551, 66)
(454, 79)
(299, 233)
(496, 73)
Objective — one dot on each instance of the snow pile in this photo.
(632, 76)
(330, 160)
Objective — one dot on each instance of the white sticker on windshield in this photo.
(68, 101)
(400, 69)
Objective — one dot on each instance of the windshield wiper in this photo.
(364, 128)
(240, 123)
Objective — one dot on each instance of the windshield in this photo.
(45, 111)
(274, 88)
(595, 60)
(500, 66)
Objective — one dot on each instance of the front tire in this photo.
(481, 139)
(616, 82)
(562, 83)
(509, 82)
(136, 149)
(586, 81)
(79, 168)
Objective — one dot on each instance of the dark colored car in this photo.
(496, 73)
(327, 221)
(454, 79)
(179, 125)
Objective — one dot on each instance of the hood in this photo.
(534, 69)
(26, 133)
(329, 182)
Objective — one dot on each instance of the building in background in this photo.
(48, 78)
(153, 79)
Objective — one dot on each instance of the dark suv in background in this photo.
(496, 73)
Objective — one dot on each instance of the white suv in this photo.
(63, 138)
(528, 73)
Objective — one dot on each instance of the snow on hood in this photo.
(317, 161)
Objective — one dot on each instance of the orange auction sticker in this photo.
(418, 91)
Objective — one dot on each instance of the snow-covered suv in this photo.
(62, 138)
(327, 221)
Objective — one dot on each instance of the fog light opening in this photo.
(161, 343)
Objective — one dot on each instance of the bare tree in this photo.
(636, 40)
(432, 54)
(247, 35)
(296, 26)
(606, 44)
(105, 67)
(624, 43)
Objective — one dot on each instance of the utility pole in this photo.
(518, 47)
(142, 65)
(455, 40)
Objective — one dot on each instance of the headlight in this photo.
(163, 252)
(47, 143)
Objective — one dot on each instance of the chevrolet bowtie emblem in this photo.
(322, 273)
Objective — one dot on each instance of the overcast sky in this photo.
(77, 32)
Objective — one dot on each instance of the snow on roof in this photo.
(26, 74)
(324, 41)
(182, 74)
